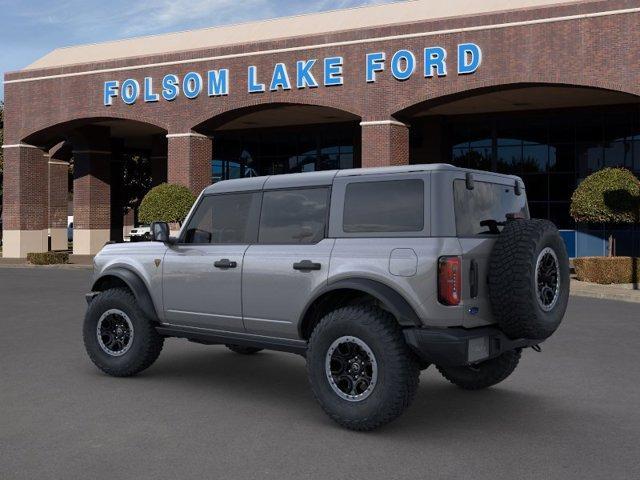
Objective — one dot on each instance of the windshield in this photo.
(484, 210)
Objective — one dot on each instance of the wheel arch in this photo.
(336, 293)
(123, 277)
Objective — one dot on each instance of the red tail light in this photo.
(449, 280)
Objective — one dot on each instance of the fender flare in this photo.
(395, 302)
(135, 284)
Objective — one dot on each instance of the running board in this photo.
(215, 337)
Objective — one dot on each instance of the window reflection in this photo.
(552, 151)
(250, 153)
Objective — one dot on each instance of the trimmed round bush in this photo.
(611, 195)
(166, 203)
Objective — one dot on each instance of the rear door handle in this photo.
(306, 265)
(225, 263)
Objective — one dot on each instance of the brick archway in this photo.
(36, 182)
(421, 101)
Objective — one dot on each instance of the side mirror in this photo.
(160, 232)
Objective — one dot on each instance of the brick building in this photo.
(545, 89)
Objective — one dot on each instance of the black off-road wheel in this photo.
(529, 279)
(243, 350)
(120, 340)
(361, 371)
(482, 375)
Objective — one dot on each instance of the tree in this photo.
(609, 196)
(166, 203)
(136, 182)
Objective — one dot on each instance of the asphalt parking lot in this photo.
(204, 412)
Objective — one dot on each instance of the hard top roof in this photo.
(326, 177)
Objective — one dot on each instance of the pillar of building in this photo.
(189, 160)
(58, 196)
(158, 159)
(25, 201)
(91, 190)
(384, 143)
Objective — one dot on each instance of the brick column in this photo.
(158, 160)
(189, 160)
(384, 143)
(25, 201)
(91, 191)
(58, 196)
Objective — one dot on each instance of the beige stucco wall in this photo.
(89, 242)
(17, 243)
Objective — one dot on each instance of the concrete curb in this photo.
(623, 293)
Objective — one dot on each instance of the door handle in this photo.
(305, 265)
(225, 263)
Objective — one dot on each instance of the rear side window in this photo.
(484, 210)
(228, 218)
(297, 216)
(388, 206)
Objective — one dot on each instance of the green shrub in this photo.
(611, 195)
(607, 270)
(166, 203)
(48, 258)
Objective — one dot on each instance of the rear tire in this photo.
(243, 350)
(482, 375)
(361, 371)
(120, 340)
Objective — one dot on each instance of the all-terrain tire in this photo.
(513, 291)
(397, 368)
(146, 344)
(243, 350)
(482, 375)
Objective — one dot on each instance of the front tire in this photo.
(361, 371)
(120, 340)
(482, 375)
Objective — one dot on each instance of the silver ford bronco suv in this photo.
(371, 274)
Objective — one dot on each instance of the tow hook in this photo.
(536, 348)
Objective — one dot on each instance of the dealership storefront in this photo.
(544, 89)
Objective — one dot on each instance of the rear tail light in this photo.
(449, 280)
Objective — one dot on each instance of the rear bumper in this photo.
(450, 347)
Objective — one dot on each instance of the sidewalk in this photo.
(622, 292)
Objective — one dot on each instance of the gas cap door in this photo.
(403, 262)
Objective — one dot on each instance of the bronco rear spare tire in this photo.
(529, 279)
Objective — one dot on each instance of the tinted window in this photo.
(294, 216)
(224, 219)
(391, 206)
(484, 209)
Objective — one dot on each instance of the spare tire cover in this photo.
(529, 279)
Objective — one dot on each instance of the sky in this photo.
(30, 29)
